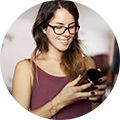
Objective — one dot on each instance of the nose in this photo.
(66, 32)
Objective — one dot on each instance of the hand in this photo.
(71, 93)
(99, 91)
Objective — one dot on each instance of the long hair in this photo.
(72, 61)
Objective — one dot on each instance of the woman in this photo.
(46, 84)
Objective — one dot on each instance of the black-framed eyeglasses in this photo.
(59, 30)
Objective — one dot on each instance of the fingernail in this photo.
(95, 87)
(100, 80)
(92, 85)
(92, 93)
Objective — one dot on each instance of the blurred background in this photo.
(97, 37)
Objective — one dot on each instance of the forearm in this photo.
(47, 111)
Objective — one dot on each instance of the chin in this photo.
(63, 49)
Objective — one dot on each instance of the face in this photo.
(61, 18)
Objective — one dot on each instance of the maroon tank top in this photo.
(49, 86)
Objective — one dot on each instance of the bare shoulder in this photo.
(23, 70)
(21, 87)
(23, 64)
(89, 62)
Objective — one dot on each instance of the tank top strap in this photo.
(34, 65)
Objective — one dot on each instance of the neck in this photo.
(54, 55)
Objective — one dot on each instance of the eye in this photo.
(72, 26)
(59, 27)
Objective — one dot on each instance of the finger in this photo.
(88, 95)
(83, 98)
(74, 82)
(103, 79)
(97, 93)
(83, 87)
(99, 69)
(101, 87)
(94, 98)
(81, 95)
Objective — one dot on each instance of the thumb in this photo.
(99, 69)
(74, 82)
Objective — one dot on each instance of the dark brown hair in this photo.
(72, 59)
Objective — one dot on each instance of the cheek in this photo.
(50, 35)
(72, 37)
(52, 38)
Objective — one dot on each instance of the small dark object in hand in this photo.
(92, 76)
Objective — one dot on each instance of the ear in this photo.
(44, 30)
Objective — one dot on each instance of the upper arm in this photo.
(89, 63)
(21, 88)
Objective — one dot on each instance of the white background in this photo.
(10, 10)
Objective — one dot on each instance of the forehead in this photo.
(62, 16)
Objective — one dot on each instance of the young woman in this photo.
(45, 84)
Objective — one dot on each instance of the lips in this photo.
(63, 41)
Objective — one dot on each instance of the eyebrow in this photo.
(63, 23)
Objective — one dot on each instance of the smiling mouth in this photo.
(64, 42)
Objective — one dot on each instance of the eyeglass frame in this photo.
(64, 30)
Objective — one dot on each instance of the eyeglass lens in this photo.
(62, 29)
